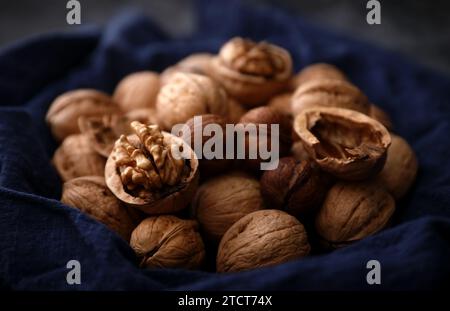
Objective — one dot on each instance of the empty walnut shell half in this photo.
(168, 242)
(318, 71)
(381, 116)
(65, 110)
(252, 72)
(343, 142)
(144, 171)
(329, 93)
(353, 211)
(76, 157)
(91, 196)
(260, 239)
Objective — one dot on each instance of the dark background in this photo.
(417, 28)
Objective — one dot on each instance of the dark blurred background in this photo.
(417, 28)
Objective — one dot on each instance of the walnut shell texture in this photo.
(260, 239)
(168, 242)
(329, 93)
(65, 110)
(343, 142)
(76, 158)
(252, 72)
(198, 63)
(91, 196)
(282, 103)
(137, 90)
(353, 211)
(400, 169)
(223, 200)
(318, 71)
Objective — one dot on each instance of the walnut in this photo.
(186, 95)
(400, 169)
(318, 71)
(252, 72)
(91, 196)
(223, 200)
(282, 104)
(260, 239)
(76, 157)
(65, 110)
(294, 186)
(343, 142)
(381, 116)
(142, 170)
(198, 63)
(235, 111)
(329, 93)
(353, 211)
(137, 90)
(168, 242)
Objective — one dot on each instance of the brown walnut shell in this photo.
(282, 104)
(294, 186)
(137, 90)
(260, 239)
(329, 93)
(400, 169)
(167, 200)
(223, 200)
(381, 116)
(91, 196)
(235, 111)
(353, 211)
(343, 142)
(65, 110)
(318, 71)
(76, 158)
(252, 72)
(198, 63)
(168, 242)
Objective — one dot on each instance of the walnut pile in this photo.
(340, 168)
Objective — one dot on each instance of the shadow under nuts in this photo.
(168, 242)
(343, 142)
(353, 211)
(223, 200)
(260, 239)
(143, 172)
(91, 196)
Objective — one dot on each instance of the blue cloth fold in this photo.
(39, 235)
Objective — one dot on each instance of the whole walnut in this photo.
(235, 111)
(282, 104)
(186, 95)
(223, 200)
(353, 211)
(168, 242)
(252, 72)
(76, 158)
(318, 71)
(91, 196)
(329, 93)
(62, 117)
(294, 186)
(343, 142)
(400, 169)
(137, 90)
(260, 239)
(198, 63)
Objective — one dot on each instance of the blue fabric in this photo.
(39, 235)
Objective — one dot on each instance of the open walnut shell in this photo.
(143, 172)
(252, 72)
(343, 142)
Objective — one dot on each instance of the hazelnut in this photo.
(318, 71)
(353, 211)
(294, 186)
(168, 242)
(329, 93)
(223, 200)
(91, 196)
(65, 110)
(400, 169)
(235, 111)
(282, 104)
(208, 167)
(252, 72)
(76, 157)
(381, 116)
(260, 239)
(137, 90)
(197, 63)
(186, 95)
(343, 142)
(142, 170)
